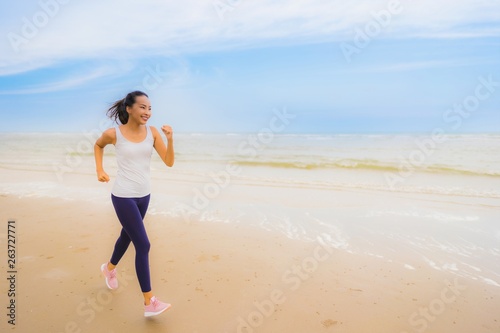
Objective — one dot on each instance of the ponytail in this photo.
(118, 111)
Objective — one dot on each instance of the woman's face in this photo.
(140, 111)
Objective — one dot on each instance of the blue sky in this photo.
(223, 66)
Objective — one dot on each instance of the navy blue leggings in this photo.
(131, 212)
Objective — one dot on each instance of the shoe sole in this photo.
(151, 314)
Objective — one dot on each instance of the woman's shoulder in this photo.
(154, 131)
(107, 137)
(110, 132)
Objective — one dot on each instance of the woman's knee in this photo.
(143, 246)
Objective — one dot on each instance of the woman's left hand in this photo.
(167, 130)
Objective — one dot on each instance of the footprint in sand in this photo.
(81, 249)
(327, 323)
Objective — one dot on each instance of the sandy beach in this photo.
(263, 254)
(224, 278)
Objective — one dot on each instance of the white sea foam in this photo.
(490, 282)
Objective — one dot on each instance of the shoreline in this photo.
(222, 277)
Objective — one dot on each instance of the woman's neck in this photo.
(133, 126)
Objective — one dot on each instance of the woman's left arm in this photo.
(166, 153)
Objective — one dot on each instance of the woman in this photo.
(134, 142)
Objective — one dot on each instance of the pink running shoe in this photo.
(155, 307)
(111, 280)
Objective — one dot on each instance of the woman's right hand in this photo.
(102, 176)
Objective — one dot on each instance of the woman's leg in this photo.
(130, 212)
(121, 247)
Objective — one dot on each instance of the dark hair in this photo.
(118, 111)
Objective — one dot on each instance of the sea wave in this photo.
(365, 164)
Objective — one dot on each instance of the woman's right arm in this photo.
(107, 137)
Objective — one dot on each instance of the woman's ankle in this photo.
(147, 297)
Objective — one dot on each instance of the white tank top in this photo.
(133, 159)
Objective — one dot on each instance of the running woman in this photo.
(134, 142)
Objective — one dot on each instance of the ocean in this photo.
(381, 162)
(437, 197)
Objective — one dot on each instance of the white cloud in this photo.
(127, 29)
(17, 66)
(419, 65)
(64, 84)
